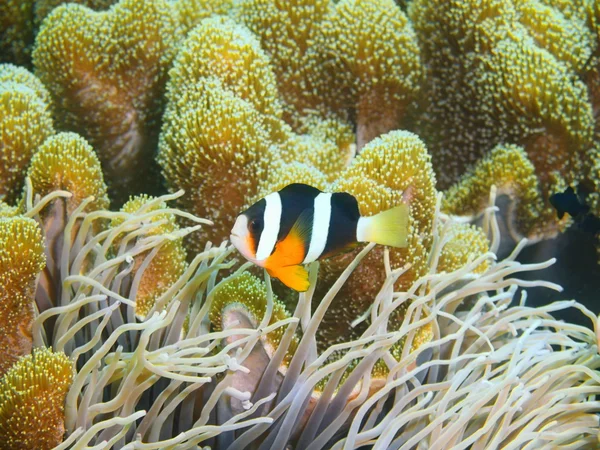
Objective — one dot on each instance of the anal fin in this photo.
(295, 277)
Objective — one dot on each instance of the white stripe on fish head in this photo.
(320, 229)
(272, 221)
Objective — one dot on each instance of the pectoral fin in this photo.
(295, 277)
(302, 228)
(291, 250)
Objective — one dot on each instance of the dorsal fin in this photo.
(300, 189)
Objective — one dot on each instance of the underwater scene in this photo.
(300, 224)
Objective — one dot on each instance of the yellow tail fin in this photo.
(386, 228)
(295, 277)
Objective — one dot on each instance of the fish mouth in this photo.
(233, 235)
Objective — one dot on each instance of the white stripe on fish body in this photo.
(320, 228)
(271, 220)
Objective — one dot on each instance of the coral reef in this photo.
(501, 73)
(466, 77)
(42, 8)
(16, 31)
(215, 148)
(489, 62)
(464, 244)
(19, 20)
(508, 168)
(8, 211)
(32, 397)
(25, 122)
(221, 48)
(106, 72)
(223, 140)
(191, 12)
(21, 260)
(285, 31)
(67, 162)
(10, 73)
(371, 62)
(216, 138)
(350, 60)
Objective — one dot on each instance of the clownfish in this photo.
(300, 224)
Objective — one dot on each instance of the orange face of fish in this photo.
(243, 237)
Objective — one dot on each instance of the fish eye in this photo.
(256, 224)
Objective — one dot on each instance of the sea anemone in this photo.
(390, 170)
(221, 362)
(243, 299)
(160, 267)
(66, 172)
